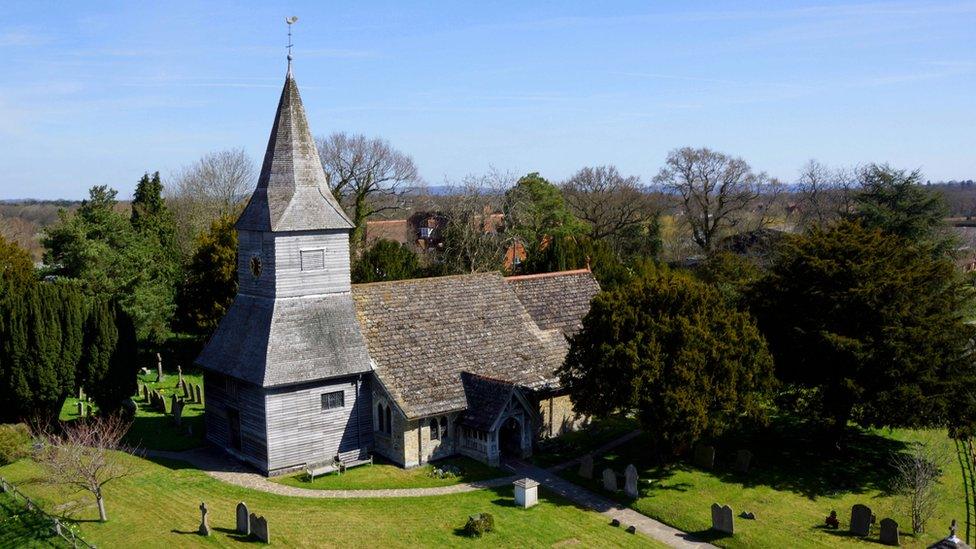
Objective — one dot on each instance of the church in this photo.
(307, 368)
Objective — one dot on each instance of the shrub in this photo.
(14, 442)
(479, 524)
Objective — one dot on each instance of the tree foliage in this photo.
(580, 252)
(871, 323)
(16, 267)
(210, 282)
(668, 347)
(535, 210)
(386, 260)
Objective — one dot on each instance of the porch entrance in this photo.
(510, 438)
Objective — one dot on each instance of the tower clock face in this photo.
(255, 265)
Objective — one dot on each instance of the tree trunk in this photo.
(102, 516)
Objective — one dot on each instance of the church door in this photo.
(510, 438)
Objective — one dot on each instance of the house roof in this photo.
(292, 192)
(556, 301)
(287, 341)
(486, 399)
(423, 333)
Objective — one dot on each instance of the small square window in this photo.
(313, 260)
(333, 400)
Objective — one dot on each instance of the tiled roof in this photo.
(486, 398)
(423, 333)
(397, 230)
(556, 300)
(292, 192)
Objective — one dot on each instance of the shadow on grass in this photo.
(706, 536)
(236, 536)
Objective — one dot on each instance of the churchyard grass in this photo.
(386, 475)
(792, 485)
(22, 528)
(576, 443)
(157, 506)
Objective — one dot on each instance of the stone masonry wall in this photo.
(558, 416)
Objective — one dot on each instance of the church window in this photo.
(379, 418)
(335, 399)
(389, 421)
(434, 431)
(312, 260)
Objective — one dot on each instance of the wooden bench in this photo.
(335, 465)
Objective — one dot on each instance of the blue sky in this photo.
(97, 93)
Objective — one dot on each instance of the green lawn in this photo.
(157, 506)
(22, 528)
(386, 475)
(791, 487)
(576, 443)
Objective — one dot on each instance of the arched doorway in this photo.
(510, 438)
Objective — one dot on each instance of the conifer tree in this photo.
(211, 278)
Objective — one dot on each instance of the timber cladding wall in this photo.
(300, 431)
(227, 397)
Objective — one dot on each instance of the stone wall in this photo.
(558, 416)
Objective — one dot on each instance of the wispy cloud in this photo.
(22, 38)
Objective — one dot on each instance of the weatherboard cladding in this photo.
(292, 192)
(556, 300)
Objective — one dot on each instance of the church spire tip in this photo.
(290, 21)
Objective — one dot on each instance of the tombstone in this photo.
(889, 532)
(204, 526)
(748, 515)
(586, 466)
(722, 519)
(160, 402)
(704, 456)
(615, 522)
(81, 409)
(179, 372)
(173, 403)
(630, 481)
(186, 390)
(609, 480)
(526, 493)
(631, 529)
(177, 411)
(743, 458)
(243, 522)
(159, 368)
(259, 528)
(860, 520)
(199, 395)
(81, 393)
(145, 393)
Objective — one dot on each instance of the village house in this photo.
(306, 368)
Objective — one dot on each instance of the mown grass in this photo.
(576, 443)
(22, 528)
(792, 486)
(386, 475)
(157, 506)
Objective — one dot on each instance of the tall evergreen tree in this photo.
(535, 210)
(211, 278)
(386, 260)
(895, 202)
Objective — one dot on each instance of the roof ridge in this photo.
(546, 275)
(430, 278)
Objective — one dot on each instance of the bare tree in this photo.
(471, 242)
(86, 455)
(607, 201)
(824, 193)
(213, 186)
(715, 191)
(917, 474)
(367, 175)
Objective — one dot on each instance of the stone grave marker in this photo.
(860, 520)
(609, 480)
(145, 393)
(722, 519)
(259, 528)
(159, 368)
(889, 532)
(199, 395)
(179, 373)
(81, 393)
(243, 520)
(586, 466)
(630, 481)
(81, 409)
(631, 529)
(173, 403)
(704, 456)
(743, 459)
(204, 525)
(526, 493)
(177, 411)
(186, 390)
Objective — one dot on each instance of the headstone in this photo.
(722, 519)
(860, 520)
(526, 492)
(630, 481)
(259, 528)
(160, 402)
(204, 525)
(243, 521)
(631, 529)
(615, 522)
(743, 458)
(704, 456)
(586, 466)
(199, 395)
(81, 409)
(178, 411)
(889, 532)
(186, 389)
(609, 480)
(179, 372)
(145, 393)
(81, 393)
(159, 368)
(172, 404)
(748, 515)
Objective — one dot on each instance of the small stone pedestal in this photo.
(526, 492)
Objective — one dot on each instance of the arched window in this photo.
(379, 418)
(443, 427)
(434, 430)
(389, 421)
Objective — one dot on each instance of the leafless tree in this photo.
(471, 242)
(917, 474)
(607, 201)
(716, 191)
(23, 233)
(86, 455)
(213, 186)
(823, 193)
(367, 175)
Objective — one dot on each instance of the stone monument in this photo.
(889, 532)
(722, 519)
(704, 456)
(526, 492)
(860, 520)
(609, 480)
(243, 520)
(630, 481)
(204, 526)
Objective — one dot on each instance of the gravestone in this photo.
(243, 520)
(186, 389)
(889, 532)
(743, 458)
(160, 402)
(609, 480)
(177, 411)
(81, 393)
(586, 466)
(526, 493)
(704, 456)
(159, 368)
(204, 525)
(615, 522)
(199, 395)
(259, 528)
(179, 373)
(631, 529)
(630, 481)
(145, 393)
(860, 520)
(722, 519)
(81, 409)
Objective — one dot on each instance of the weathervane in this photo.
(291, 21)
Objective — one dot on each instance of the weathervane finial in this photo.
(290, 21)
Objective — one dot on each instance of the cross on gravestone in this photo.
(586, 466)
(722, 519)
(630, 481)
(889, 532)
(204, 526)
(609, 480)
(704, 456)
(743, 458)
(243, 521)
(860, 520)
(159, 368)
(259, 528)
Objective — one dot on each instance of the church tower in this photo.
(287, 371)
